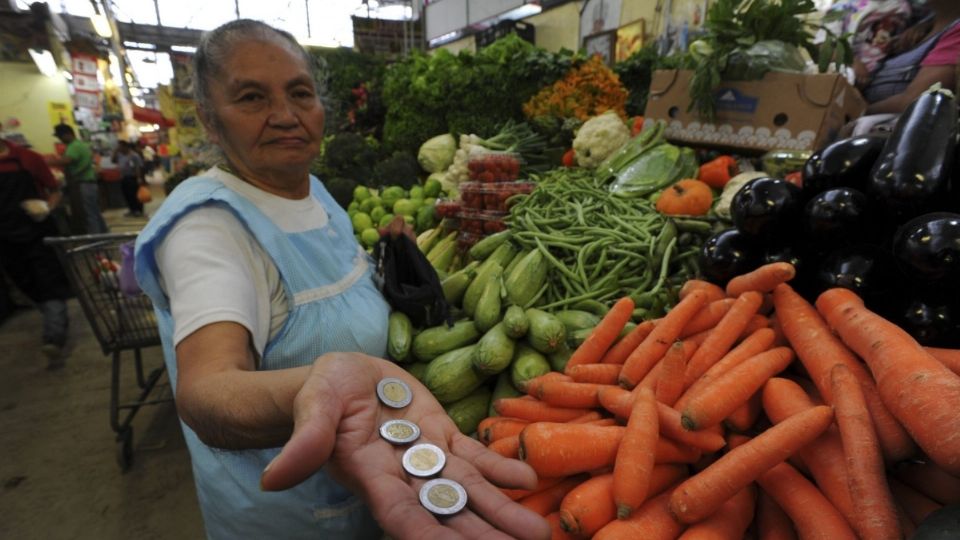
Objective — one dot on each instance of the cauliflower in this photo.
(458, 172)
(599, 137)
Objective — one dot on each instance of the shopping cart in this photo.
(120, 321)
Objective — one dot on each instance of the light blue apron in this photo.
(336, 307)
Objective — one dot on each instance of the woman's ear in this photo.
(209, 124)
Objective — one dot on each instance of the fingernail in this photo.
(265, 470)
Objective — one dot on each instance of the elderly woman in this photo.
(273, 329)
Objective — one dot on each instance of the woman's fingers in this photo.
(504, 472)
(396, 506)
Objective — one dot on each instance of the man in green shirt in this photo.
(77, 162)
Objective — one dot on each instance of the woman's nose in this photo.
(281, 113)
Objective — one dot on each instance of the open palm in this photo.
(336, 423)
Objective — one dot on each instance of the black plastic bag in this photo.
(410, 283)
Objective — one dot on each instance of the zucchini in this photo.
(546, 332)
(482, 249)
(527, 364)
(442, 254)
(450, 376)
(503, 389)
(558, 359)
(417, 369)
(575, 338)
(427, 239)
(437, 340)
(515, 322)
(466, 413)
(592, 306)
(526, 279)
(487, 313)
(515, 261)
(494, 351)
(488, 270)
(399, 336)
(575, 319)
(503, 255)
(456, 283)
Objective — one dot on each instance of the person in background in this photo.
(131, 176)
(26, 184)
(149, 158)
(78, 166)
(274, 331)
(920, 57)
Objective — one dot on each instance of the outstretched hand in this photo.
(337, 416)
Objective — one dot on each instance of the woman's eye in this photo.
(302, 94)
(250, 97)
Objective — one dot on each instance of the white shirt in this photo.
(213, 270)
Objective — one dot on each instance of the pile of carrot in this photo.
(744, 412)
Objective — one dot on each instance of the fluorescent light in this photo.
(135, 91)
(183, 48)
(139, 102)
(44, 61)
(101, 25)
(147, 129)
(66, 75)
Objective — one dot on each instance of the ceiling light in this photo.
(44, 61)
(101, 25)
(183, 48)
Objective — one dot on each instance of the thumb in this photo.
(317, 413)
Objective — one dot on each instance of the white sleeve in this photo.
(214, 271)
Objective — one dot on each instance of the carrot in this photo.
(532, 387)
(670, 376)
(730, 522)
(714, 292)
(548, 500)
(917, 505)
(702, 494)
(763, 279)
(906, 524)
(554, 449)
(589, 506)
(743, 418)
(616, 400)
(603, 422)
(718, 171)
(732, 389)
(708, 317)
(755, 344)
(948, 357)
(723, 336)
(812, 514)
(670, 427)
(497, 427)
(772, 523)
(664, 476)
(635, 457)
(603, 335)
(556, 531)
(586, 418)
(652, 521)
(779, 338)
(595, 373)
(618, 353)
(535, 411)
(920, 392)
(508, 447)
(542, 483)
(930, 480)
(766, 308)
(648, 353)
(818, 350)
(824, 455)
(669, 451)
(572, 395)
(872, 502)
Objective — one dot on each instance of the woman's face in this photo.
(266, 115)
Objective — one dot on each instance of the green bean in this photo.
(553, 260)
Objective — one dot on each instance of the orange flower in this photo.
(585, 91)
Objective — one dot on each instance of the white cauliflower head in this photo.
(599, 137)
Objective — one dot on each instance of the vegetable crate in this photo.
(120, 321)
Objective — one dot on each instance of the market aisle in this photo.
(58, 468)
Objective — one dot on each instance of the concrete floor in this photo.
(59, 476)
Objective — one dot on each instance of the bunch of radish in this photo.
(743, 412)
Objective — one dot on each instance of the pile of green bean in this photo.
(603, 247)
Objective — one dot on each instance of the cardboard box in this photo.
(790, 111)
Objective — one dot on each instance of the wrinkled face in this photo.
(266, 115)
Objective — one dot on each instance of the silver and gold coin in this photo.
(442, 496)
(400, 431)
(424, 460)
(394, 393)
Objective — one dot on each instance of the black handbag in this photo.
(409, 282)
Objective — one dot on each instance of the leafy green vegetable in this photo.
(400, 169)
(636, 73)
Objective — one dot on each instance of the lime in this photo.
(409, 220)
(391, 195)
(354, 206)
(385, 220)
(377, 213)
(431, 188)
(430, 201)
(369, 204)
(361, 221)
(361, 193)
(369, 237)
(405, 207)
(416, 192)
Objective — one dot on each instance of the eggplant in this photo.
(912, 174)
(941, 524)
(931, 318)
(927, 248)
(844, 163)
(767, 208)
(727, 254)
(864, 269)
(839, 216)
